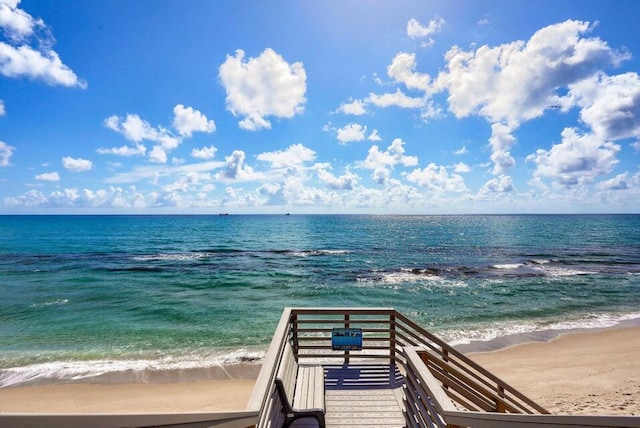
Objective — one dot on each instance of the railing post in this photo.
(346, 325)
(392, 338)
(294, 333)
(500, 407)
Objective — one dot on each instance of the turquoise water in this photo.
(82, 296)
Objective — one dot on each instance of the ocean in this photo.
(89, 298)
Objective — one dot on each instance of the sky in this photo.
(332, 106)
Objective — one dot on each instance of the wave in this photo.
(504, 329)
(127, 370)
(57, 302)
(199, 255)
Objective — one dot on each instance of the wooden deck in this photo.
(362, 395)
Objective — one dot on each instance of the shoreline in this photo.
(596, 371)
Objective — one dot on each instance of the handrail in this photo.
(231, 419)
(519, 420)
(263, 391)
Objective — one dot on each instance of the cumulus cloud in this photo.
(185, 182)
(501, 141)
(461, 167)
(134, 128)
(16, 23)
(579, 159)
(351, 132)
(415, 30)
(204, 153)
(48, 176)
(76, 164)
(5, 154)
(374, 136)
(517, 81)
(235, 168)
(619, 182)
(294, 156)
(437, 179)
(402, 70)
(46, 66)
(353, 107)
(187, 121)
(610, 104)
(348, 181)
(2, 109)
(502, 184)
(18, 59)
(262, 87)
(382, 162)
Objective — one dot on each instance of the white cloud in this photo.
(348, 181)
(294, 156)
(461, 151)
(415, 30)
(501, 141)
(204, 153)
(261, 87)
(136, 129)
(48, 176)
(25, 61)
(461, 168)
(185, 182)
(619, 182)
(382, 162)
(394, 155)
(351, 132)
(636, 145)
(158, 155)
(502, 184)
(355, 108)
(133, 128)
(187, 121)
(138, 150)
(397, 99)
(579, 159)
(5, 154)
(235, 169)
(402, 70)
(18, 59)
(374, 136)
(76, 164)
(610, 104)
(2, 109)
(437, 179)
(17, 23)
(517, 81)
(113, 197)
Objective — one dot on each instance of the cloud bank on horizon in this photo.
(544, 123)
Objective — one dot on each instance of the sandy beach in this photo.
(577, 373)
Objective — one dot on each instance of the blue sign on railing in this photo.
(346, 339)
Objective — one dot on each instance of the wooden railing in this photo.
(443, 387)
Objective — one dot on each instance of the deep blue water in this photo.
(81, 295)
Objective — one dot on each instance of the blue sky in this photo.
(409, 107)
